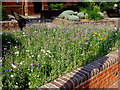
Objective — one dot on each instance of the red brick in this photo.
(81, 86)
(93, 83)
(86, 83)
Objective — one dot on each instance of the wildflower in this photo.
(105, 35)
(94, 35)
(38, 55)
(86, 43)
(79, 42)
(17, 52)
(68, 38)
(38, 20)
(43, 50)
(12, 76)
(28, 34)
(31, 64)
(53, 37)
(27, 51)
(81, 46)
(21, 63)
(9, 42)
(15, 46)
(78, 34)
(101, 38)
(32, 56)
(6, 70)
(48, 51)
(14, 66)
(95, 38)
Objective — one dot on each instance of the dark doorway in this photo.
(37, 7)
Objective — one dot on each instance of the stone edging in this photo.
(85, 74)
(64, 21)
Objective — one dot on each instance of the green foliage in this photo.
(92, 14)
(69, 14)
(58, 6)
(4, 13)
(38, 55)
(81, 15)
(73, 18)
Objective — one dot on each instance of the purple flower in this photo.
(66, 43)
(110, 39)
(4, 74)
(28, 34)
(81, 46)
(10, 70)
(3, 33)
(6, 70)
(1, 72)
(37, 64)
(31, 64)
(38, 67)
(68, 38)
(65, 28)
(95, 38)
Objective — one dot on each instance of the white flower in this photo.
(38, 55)
(17, 52)
(23, 32)
(32, 56)
(21, 63)
(14, 66)
(27, 51)
(15, 46)
(48, 51)
(12, 76)
(43, 50)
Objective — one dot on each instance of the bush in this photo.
(93, 13)
(73, 18)
(81, 15)
(66, 14)
(101, 14)
(56, 6)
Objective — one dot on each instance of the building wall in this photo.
(25, 8)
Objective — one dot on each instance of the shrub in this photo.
(56, 6)
(81, 15)
(101, 14)
(73, 18)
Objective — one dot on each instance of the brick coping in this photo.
(83, 74)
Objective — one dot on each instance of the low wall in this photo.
(8, 25)
(68, 22)
(100, 73)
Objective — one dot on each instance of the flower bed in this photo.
(38, 55)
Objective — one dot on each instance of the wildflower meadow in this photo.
(38, 55)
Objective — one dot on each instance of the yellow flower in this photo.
(94, 35)
(52, 37)
(101, 38)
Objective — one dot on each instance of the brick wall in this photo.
(100, 73)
